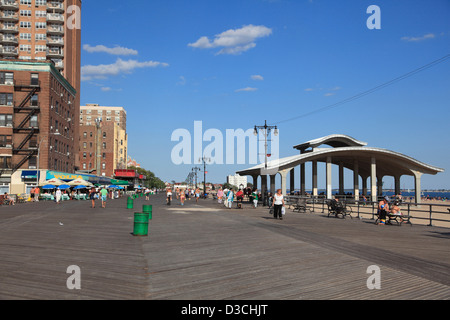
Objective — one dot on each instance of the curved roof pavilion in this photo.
(345, 152)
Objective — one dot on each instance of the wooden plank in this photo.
(205, 251)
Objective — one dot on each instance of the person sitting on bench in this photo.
(9, 199)
(383, 210)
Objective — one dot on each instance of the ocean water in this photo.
(429, 194)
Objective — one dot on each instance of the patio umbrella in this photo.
(79, 187)
(113, 187)
(64, 187)
(79, 182)
(48, 187)
(53, 182)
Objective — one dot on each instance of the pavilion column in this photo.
(373, 179)
(272, 183)
(418, 186)
(364, 185)
(292, 184)
(302, 180)
(356, 180)
(329, 186)
(380, 186)
(264, 188)
(397, 184)
(315, 192)
(284, 174)
(341, 178)
(255, 181)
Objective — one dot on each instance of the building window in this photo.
(104, 145)
(5, 141)
(5, 163)
(6, 99)
(84, 134)
(7, 78)
(32, 163)
(103, 166)
(84, 166)
(34, 122)
(6, 120)
(104, 135)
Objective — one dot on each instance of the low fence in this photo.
(430, 213)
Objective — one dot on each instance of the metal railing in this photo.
(430, 212)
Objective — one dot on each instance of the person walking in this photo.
(278, 202)
(197, 194)
(255, 198)
(37, 191)
(92, 197)
(104, 195)
(220, 195)
(182, 197)
(230, 198)
(58, 195)
(169, 196)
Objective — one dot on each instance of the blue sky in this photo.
(233, 64)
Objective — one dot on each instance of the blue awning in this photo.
(30, 174)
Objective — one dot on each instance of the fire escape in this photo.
(29, 108)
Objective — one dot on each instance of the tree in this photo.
(151, 181)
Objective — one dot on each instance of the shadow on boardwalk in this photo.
(205, 251)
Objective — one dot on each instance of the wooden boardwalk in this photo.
(207, 252)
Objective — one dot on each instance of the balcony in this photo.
(56, 30)
(55, 18)
(9, 4)
(57, 7)
(55, 41)
(9, 52)
(9, 17)
(9, 40)
(9, 29)
(55, 53)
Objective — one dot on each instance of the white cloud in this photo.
(106, 89)
(102, 71)
(118, 51)
(248, 89)
(417, 39)
(257, 77)
(182, 81)
(234, 41)
(329, 94)
(309, 89)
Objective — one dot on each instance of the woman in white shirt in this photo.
(278, 202)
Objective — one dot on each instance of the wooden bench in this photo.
(339, 208)
(300, 206)
(390, 218)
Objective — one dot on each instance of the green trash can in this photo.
(130, 203)
(148, 209)
(140, 224)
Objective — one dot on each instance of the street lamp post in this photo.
(266, 131)
(204, 160)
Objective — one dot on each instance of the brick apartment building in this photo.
(39, 85)
(36, 112)
(103, 141)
